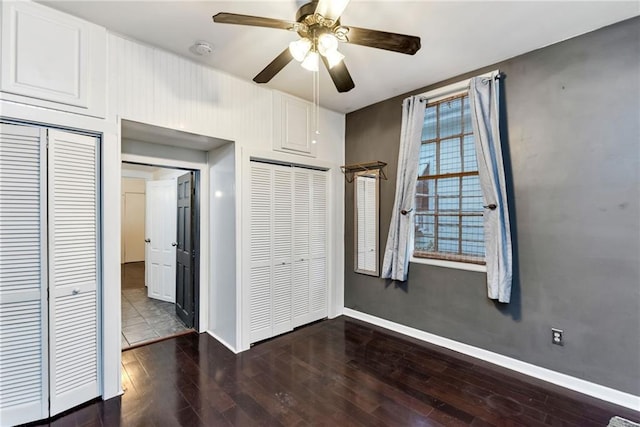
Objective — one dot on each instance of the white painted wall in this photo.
(223, 293)
(133, 219)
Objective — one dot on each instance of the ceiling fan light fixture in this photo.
(333, 57)
(311, 61)
(327, 42)
(300, 48)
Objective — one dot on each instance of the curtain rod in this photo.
(498, 76)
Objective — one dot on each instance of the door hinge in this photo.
(47, 294)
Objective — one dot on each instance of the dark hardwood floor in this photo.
(336, 372)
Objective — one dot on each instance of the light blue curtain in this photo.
(484, 99)
(397, 252)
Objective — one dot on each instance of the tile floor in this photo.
(143, 318)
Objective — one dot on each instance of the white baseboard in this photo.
(595, 390)
(223, 342)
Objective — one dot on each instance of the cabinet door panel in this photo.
(292, 126)
(52, 59)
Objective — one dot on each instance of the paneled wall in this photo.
(156, 87)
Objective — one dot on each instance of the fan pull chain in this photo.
(316, 106)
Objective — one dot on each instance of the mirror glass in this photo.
(366, 190)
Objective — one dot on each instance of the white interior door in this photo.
(161, 228)
(73, 269)
(23, 301)
(134, 227)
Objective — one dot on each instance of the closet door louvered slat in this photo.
(23, 309)
(73, 269)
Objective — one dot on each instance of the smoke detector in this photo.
(201, 48)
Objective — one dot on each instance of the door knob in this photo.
(75, 292)
(147, 240)
(174, 244)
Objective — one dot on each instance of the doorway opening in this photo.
(160, 252)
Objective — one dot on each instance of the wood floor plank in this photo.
(338, 372)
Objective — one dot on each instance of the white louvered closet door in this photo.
(282, 249)
(318, 231)
(260, 235)
(301, 242)
(23, 303)
(73, 272)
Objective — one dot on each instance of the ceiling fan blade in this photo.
(340, 76)
(256, 21)
(383, 40)
(274, 67)
(331, 9)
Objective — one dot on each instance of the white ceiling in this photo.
(457, 37)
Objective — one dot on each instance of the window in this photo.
(448, 209)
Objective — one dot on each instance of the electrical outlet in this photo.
(557, 336)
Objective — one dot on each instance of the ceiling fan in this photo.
(318, 25)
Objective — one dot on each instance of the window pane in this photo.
(424, 233)
(448, 246)
(466, 115)
(472, 228)
(427, 161)
(450, 118)
(470, 163)
(425, 204)
(471, 194)
(473, 248)
(429, 129)
(448, 186)
(446, 231)
(450, 160)
(448, 204)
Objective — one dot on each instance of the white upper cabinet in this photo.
(293, 125)
(53, 60)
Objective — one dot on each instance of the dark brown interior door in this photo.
(185, 296)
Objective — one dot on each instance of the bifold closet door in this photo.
(73, 269)
(309, 294)
(23, 301)
(318, 283)
(260, 235)
(270, 272)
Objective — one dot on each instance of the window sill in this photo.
(450, 264)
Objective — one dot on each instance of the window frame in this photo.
(452, 90)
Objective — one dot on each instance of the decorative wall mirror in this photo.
(366, 221)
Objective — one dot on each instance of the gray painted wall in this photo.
(573, 151)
